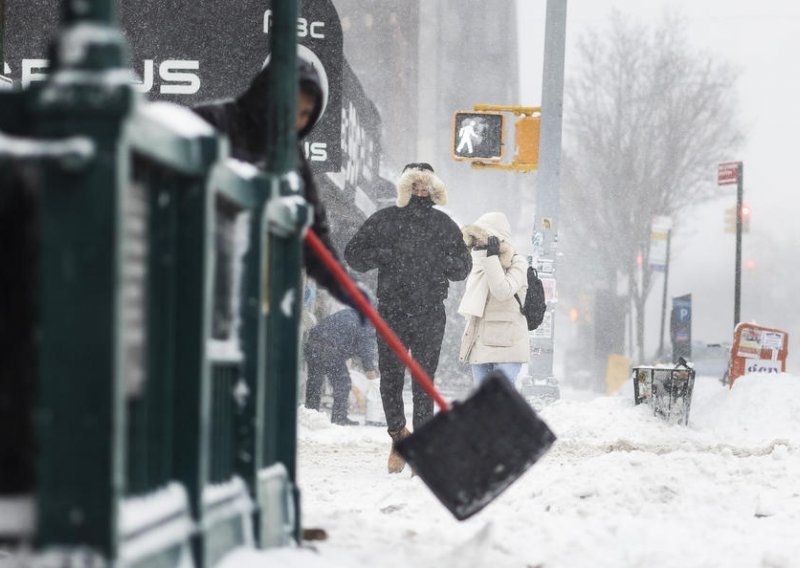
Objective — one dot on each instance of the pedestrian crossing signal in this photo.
(478, 136)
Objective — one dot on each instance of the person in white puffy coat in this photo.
(496, 335)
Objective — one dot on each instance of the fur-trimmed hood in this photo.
(412, 175)
(477, 238)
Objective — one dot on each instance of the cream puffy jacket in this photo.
(501, 335)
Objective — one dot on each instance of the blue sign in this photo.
(680, 329)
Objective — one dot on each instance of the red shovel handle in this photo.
(372, 315)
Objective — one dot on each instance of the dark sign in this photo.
(680, 327)
(190, 52)
(478, 136)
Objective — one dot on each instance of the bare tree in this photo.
(647, 118)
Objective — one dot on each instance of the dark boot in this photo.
(396, 461)
(344, 421)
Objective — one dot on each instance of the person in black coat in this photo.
(244, 120)
(417, 250)
(335, 339)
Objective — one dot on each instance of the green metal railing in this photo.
(164, 369)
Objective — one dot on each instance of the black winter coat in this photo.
(244, 121)
(345, 335)
(417, 249)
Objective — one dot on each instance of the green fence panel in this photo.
(160, 267)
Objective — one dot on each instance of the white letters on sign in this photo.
(304, 27)
(177, 79)
(34, 70)
(317, 151)
(176, 75)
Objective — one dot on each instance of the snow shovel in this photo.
(471, 452)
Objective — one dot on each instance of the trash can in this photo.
(667, 390)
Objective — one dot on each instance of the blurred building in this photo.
(422, 61)
(381, 44)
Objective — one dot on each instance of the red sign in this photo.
(728, 173)
(757, 349)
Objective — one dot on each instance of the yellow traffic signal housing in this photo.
(527, 141)
(478, 136)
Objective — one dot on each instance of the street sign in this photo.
(757, 349)
(680, 328)
(478, 136)
(659, 247)
(728, 173)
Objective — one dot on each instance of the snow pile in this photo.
(620, 488)
(760, 408)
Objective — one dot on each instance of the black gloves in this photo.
(493, 246)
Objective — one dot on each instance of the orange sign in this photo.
(757, 349)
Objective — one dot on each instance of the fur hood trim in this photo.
(476, 238)
(411, 175)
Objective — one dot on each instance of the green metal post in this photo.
(285, 253)
(101, 11)
(192, 382)
(249, 423)
(80, 416)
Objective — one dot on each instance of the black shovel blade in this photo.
(470, 454)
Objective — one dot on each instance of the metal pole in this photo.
(81, 429)
(664, 299)
(737, 293)
(545, 230)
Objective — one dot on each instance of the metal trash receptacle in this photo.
(667, 390)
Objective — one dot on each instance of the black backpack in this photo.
(535, 305)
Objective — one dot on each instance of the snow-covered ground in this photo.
(620, 488)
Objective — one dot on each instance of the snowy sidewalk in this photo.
(620, 488)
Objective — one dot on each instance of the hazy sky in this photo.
(763, 40)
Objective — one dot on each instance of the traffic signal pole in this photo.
(545, 230)
(737, 291)
(664, 299)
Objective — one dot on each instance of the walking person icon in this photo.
(477, 136)
(466, 134)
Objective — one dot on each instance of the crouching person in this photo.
(335, 339)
